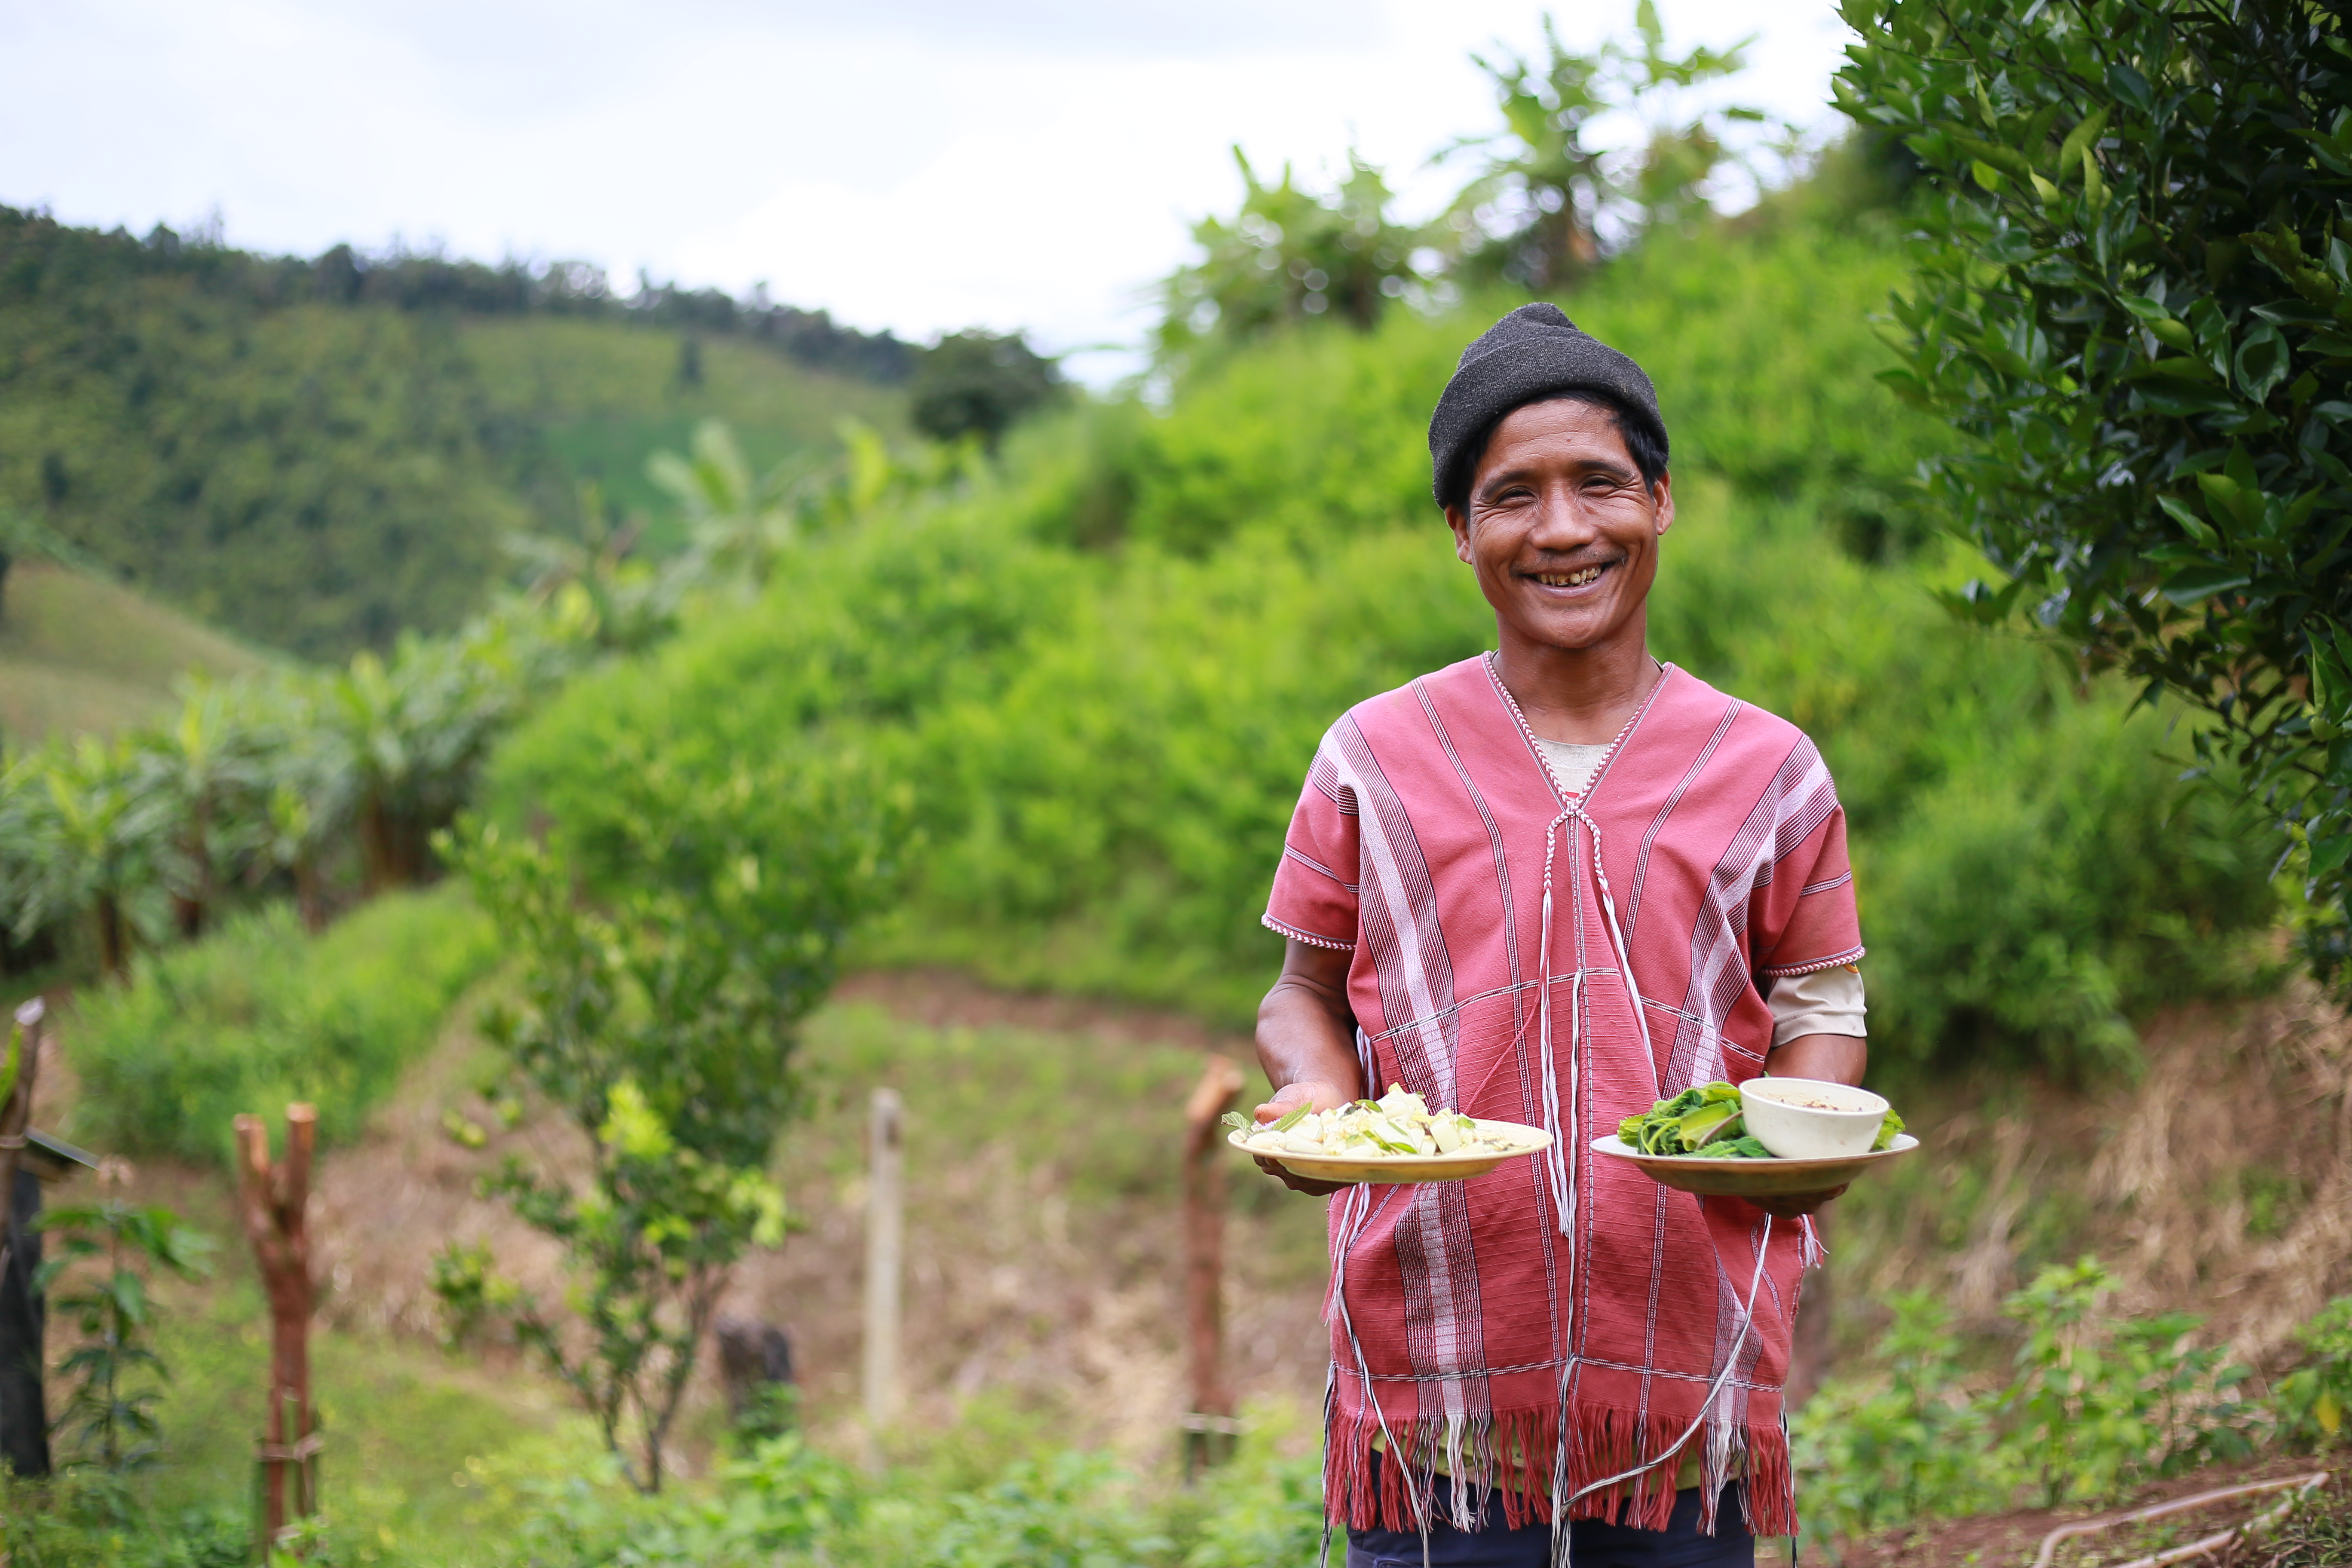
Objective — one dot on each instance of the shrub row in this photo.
(261, 1013)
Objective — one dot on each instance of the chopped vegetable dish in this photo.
(1397, 1124)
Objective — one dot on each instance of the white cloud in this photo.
(919, 164)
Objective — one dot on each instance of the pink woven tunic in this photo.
(1563, 1319)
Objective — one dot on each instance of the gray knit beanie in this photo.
(1534, 353)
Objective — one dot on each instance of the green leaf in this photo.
(2080, 141)
(1293, 1116)
(2129, 84)
(2196, 527)
(2182, 400)
(2197, 584)
(2262, 360)
(2328, 854)
(2227, 494)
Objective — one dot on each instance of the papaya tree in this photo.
(85, 842)
(410, 732)
(1550, 201)
(205, 768)
(1292, 254)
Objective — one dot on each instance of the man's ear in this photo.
(1459, 521)
(1663, 495)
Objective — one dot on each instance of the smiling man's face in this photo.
(1560, 529)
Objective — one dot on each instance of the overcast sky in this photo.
(916, 165)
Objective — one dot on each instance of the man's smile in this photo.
(1579, 577)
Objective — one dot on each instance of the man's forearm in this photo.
(1303, 1037)
(1306, 1043)
(1831, 1059)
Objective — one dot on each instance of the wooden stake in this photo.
(885, 1240)
(274, 1205)
(16, 1118)
(1209, 1425)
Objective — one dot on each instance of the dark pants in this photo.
(1591, 1542)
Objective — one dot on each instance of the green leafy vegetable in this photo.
(1886, 1132)
(1691, 1122)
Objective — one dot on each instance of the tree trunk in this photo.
(378, 861)
(113, 938)
(192, 904)
(396, 849)
(274, 1205)
(309, 892)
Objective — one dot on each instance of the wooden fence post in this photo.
(274, 1205)
(17, 1112)
(1209, 1426)
(885, 1243)
(23, 1413)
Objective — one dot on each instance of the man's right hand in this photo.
(1317, 1094)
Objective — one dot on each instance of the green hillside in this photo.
(319, 454)
(78, 653)
(1100, 673)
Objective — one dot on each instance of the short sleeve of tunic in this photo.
(1802, 917)
(1314, 899)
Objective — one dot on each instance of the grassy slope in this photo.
(603, 396)
(78, 652)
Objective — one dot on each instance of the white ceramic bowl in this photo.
(1807, 1119)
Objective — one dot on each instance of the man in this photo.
(1551, 885)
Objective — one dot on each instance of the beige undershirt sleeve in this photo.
(1826, 1002)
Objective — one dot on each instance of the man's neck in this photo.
(1581, 696)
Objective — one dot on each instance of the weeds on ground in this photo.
(782, 1501)
(110, 1416)
(2315, 1398)
(2096, 1406)
(85, 1520)
(2317, 1534)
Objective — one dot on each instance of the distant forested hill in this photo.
(316, 454)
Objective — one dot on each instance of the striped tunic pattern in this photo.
(1562, 1318)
